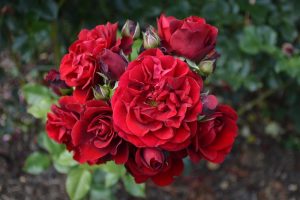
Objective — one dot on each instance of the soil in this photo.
(262, 170)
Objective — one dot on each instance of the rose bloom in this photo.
(87, 130)
(157, 102)
(52, 79)
(153, 163)
(215, 135)
(62, 118)
(96, 50)
(191, 37)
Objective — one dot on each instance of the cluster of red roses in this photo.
(149, 113)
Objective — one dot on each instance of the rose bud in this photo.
(151, 38)
(153, 163)
(131, 29)
(58, 86)
(206, 67)
(288, 49)
(112, 64)
(210, 102)
(101, 92)
(153, 158)
(215, 135)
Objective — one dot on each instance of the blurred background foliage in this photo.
(258, 72)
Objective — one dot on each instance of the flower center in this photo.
(152, 102)
(155, 164)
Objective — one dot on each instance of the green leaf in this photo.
(111, 179)
(66, 159)
(137, 190)
(78, 183)
(36, 163)
(48, 9)
(111, 167)
(39, 99)
(290, 66)
(256, 39)
(50, 145)
(60, 168)
(249, 41)
(62, 159)
(136, 48)
(201, 117)
(101, 193)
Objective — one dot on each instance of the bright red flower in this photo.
(157, 102)
(153, 163)
(87, 130)
(94, 138)
(215, 135)
(191, 37)
(61, 119)
(87, 56)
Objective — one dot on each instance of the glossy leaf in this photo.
(137, 190)
(36, 163)
(39, 99)
(78, 183)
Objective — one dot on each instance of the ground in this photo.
(262, 170)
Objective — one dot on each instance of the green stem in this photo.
(56, 49)
(54, 37)
(248, 106)
(255, 102)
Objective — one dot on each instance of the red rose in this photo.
(57, 85)
(112, 64)
(215, 135)
(62, 118)
(190, 37)
(94, 138)
(87, 56)
(87, 130)
(157, 102)
(153, 163)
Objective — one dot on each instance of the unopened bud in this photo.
(206, 67)
(101, 92)
(151, 38)
(288, 49)
(131, 29)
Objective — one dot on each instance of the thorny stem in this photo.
(255, 102)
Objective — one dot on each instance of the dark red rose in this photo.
(108, 62)
(153, 163)
(126, 44)
(80, 66)
(215, 135)
(190, 37)
(94, 138)
(62, 118)
(87, 130)
(157, 102)
(57, 85)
